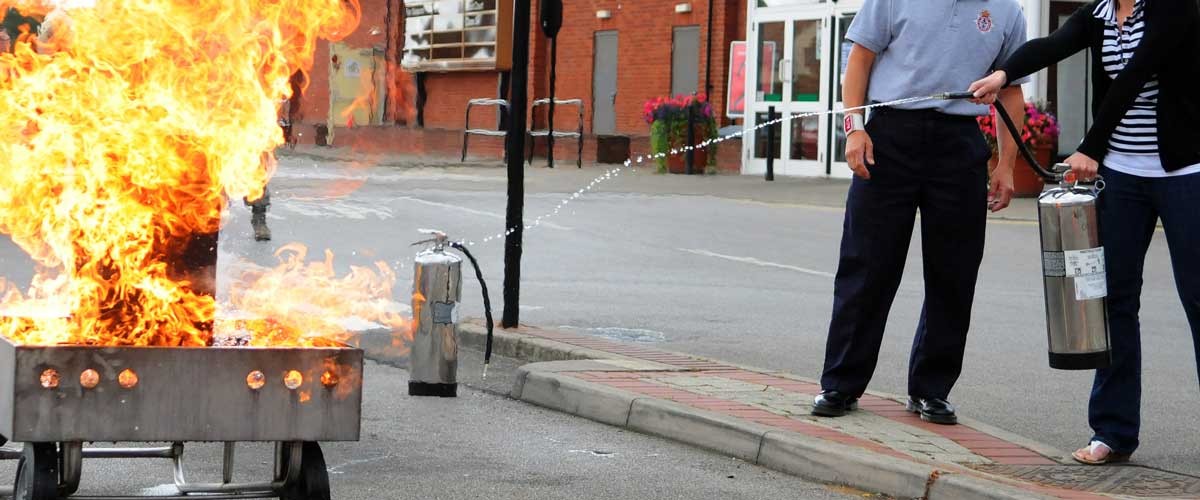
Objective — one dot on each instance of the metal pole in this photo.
(691, 139)
(550, 118)
(421, 97)
(708, 88)
(513, 221)
(771, 144)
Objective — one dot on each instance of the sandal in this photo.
(1092, 454)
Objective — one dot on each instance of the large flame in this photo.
(123, 133)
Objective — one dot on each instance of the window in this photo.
(456, 34)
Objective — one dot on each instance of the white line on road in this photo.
(550, 225)
(757, 262)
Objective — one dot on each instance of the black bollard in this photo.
(691, 139)
(550, 116)
(771, 144)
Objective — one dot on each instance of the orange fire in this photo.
(308, 302)
(123, 134)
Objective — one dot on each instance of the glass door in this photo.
(839, 53)
(789, 61)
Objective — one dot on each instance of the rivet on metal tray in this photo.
(49, 378)
(293, 379)
(89, 379)
(127, 378)
(256, 380)
(329, 379)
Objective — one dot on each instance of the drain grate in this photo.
(1114, 480)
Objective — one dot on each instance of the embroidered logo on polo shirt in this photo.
(984, 23)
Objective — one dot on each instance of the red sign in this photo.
(735, 99)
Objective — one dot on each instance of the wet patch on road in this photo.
(639, 335)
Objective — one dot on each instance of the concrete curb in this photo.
(544, 384)
(534, 350)
(808, 457)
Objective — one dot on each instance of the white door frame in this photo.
(826, 14)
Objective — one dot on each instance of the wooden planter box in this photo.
(678, 164)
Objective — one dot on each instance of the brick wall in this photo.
(644, 29)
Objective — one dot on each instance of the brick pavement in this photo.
(881, 425)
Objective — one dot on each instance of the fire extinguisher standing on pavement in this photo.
(437, 292)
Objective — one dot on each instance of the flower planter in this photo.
(678, 164)
(1026, 183)
(671, 120)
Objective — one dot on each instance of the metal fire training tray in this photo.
(181, 394)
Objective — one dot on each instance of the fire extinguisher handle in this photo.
(949, 96)
(439, 238)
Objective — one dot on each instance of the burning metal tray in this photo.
(179, 394)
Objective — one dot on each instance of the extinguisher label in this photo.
(444, 313)
(1084, 262)
(1092, 286)
(1086, 267)
(1054, 264)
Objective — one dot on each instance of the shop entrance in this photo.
(797, 52)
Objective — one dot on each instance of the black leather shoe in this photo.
(938, 411)
(833, 404)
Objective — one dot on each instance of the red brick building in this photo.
(656, 47)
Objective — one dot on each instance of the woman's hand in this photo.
(1083, 167)
(987, 88)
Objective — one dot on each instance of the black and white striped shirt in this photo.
(1138, 132)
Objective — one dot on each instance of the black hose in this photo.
(487, 303)
(1046, 175)
(1038, 169)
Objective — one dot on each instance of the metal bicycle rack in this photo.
(468, 131)
(577, 135)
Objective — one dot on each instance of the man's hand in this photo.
(1001, 192)
(860, 152)
(987, 88)
(1083, 166)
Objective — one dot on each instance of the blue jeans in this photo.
(1129, 209)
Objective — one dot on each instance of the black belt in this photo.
(921, 114)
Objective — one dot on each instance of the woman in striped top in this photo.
(1146, 133)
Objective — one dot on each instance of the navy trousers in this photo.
(1129, 209)
(935, 164)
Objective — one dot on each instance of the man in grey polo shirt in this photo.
(928, 156)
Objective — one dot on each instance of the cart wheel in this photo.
(37, 473)
(313, 482)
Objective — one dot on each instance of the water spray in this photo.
(633, 162)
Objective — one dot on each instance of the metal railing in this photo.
(468, 131)
(577, 135)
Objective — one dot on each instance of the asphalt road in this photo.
(702, 265)
(478, 445)
(726, 267)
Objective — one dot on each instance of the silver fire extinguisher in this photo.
(437, 293)
(1074, 275)
(1073, 269)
